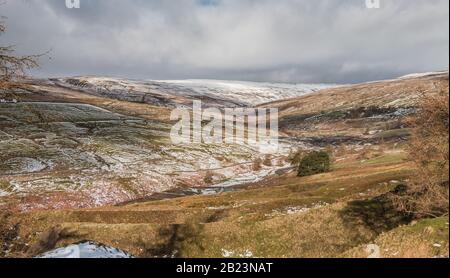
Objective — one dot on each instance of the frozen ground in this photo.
(101, 157)
(86, 250)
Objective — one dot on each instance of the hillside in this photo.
(87, 142)
(173, 93)
(60, 155)
(81, 163)
(363, 111)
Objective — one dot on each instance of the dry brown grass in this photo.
(422, 239)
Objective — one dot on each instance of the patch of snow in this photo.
(217, 208)
(245, 254)
(227, 253)
(250, 177)
(85, 250)
(3, 193)
(291, 210)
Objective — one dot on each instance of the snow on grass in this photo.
(21, 165)
(250, 177)
(292, 210)
(220, 92)
(233, 254)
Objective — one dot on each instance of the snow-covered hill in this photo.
(172, 93)
(423, 74)
(250, 93)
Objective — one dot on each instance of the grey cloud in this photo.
(337, 41)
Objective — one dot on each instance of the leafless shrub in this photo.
(267, 161)
(13, 67)
(427, 194)
(295, 157)
(49, 239)
(8, 233)
(209, 177)
(257, 164)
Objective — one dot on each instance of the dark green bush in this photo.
(314, 163)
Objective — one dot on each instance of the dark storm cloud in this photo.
(265, 40)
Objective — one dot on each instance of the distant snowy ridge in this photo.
(251, 93)
(219, 93)
(422, 74)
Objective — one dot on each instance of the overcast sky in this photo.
(326, 41)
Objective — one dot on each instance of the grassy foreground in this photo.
(329, 215)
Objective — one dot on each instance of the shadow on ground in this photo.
(376, 215)
(178, 239)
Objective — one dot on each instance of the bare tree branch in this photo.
(13, 68)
